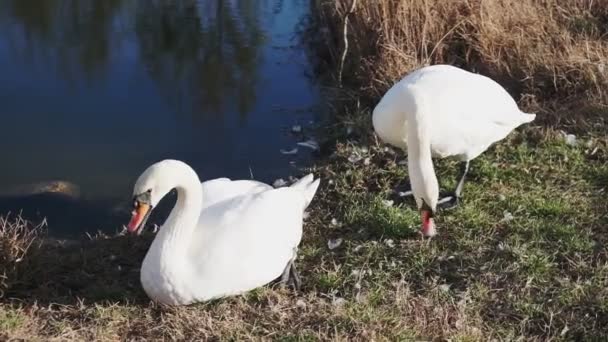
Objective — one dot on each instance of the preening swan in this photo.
(245, 237)
(443, 111)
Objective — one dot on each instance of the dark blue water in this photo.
(94, 91)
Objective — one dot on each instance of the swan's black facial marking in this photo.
(427, 208)
(144, 197)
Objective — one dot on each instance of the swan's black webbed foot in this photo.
(448, 202)
(401, 193)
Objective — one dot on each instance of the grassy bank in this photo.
(524, 256)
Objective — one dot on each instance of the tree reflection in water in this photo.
(202, 55)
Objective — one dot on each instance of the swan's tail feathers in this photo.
(528, 117)
(308, 186)
(311, 190)
(303, 182)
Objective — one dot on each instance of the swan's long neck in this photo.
(420, 163)
(173, 239)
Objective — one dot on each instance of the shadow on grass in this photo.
(41, 268)
(96, 270)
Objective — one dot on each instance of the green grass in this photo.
(523, 256)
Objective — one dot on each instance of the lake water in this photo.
(92, 92)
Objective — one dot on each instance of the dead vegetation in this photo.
(16, 238)
(552, 55)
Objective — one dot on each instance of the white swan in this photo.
(443, 111)
(245, 239)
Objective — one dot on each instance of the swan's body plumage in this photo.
(442, 111)
(221, 189)
(467, 112)
(243, 239)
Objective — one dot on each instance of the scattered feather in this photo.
(502, 246)
(279, 183)
(312, 144)
(334, 243)
(353, 158)
(388, 203)
(570, 139)
(507, 216)
(292, 151)
(338, 301)
(444, 287)
(389, 243)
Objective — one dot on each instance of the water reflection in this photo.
(211, 50)
(199, 54)
(94, 91)
(72, 35)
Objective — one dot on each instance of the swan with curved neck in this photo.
(442, 111)
(237, 243)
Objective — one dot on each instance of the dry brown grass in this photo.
(552, 55)
(16, 237)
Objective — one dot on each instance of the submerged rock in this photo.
(56, 187)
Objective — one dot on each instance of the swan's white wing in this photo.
(468, 111)
(246, 241)
(221, 189)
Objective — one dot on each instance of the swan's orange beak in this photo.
(140, 216)
(428, 224)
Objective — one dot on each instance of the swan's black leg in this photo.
(286, 272)
(294, 281)
(290, 276)
(451, 201)
(464, 169)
